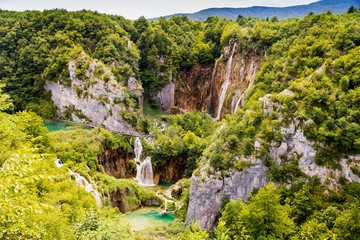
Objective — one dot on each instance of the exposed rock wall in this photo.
(245, 65)
(92, 99)
(172, 171)
(206, 191)
(117, 163)
(119, 199)
(166, 96)
(193, 90)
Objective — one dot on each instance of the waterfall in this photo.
(212, 84)
(252, 72)
(144, 175)
(165, 196)
(226, 84)
(58, 163)
(81, 181)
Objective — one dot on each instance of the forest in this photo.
(316, 59)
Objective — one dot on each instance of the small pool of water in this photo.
(64, 126)
(148, 216)
(166, 184)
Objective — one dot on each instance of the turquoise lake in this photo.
(64, 126)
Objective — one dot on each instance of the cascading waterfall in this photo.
(252, 72)
(226, 84)
(166, 197)
(144, 175)
(81, 181)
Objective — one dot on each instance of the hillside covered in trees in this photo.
(293, 140)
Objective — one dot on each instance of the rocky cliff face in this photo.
(207, 189)
(193, 90)
(118, 163)
(92, 95)
(170, 172)
(166, 96)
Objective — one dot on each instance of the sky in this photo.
(133, 9)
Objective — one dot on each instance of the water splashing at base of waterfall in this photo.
(226, 84)
(144, 175)
(81, 181)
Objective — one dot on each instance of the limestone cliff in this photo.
(92, 95)
(166, 96)
(125, 201)
(206, 191)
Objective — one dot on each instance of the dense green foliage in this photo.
(37, 46)
(301, 212)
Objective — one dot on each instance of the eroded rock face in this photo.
(294, 142)
(90, 98)
(206, 191)
(117, 163)
(166, 96)
(172, 171)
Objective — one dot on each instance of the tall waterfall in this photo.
(252, 72)
(212, 82)
(226, 84)
(144, 175)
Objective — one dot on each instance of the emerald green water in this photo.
(166, 184)
(64, 126)
(149, 216)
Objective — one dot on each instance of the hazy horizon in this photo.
(137, 8)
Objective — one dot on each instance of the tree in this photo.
(301, 206)
(263, 216)
(352, 9)
(5, 103)
(193, 232)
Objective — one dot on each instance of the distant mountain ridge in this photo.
(335, 6)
